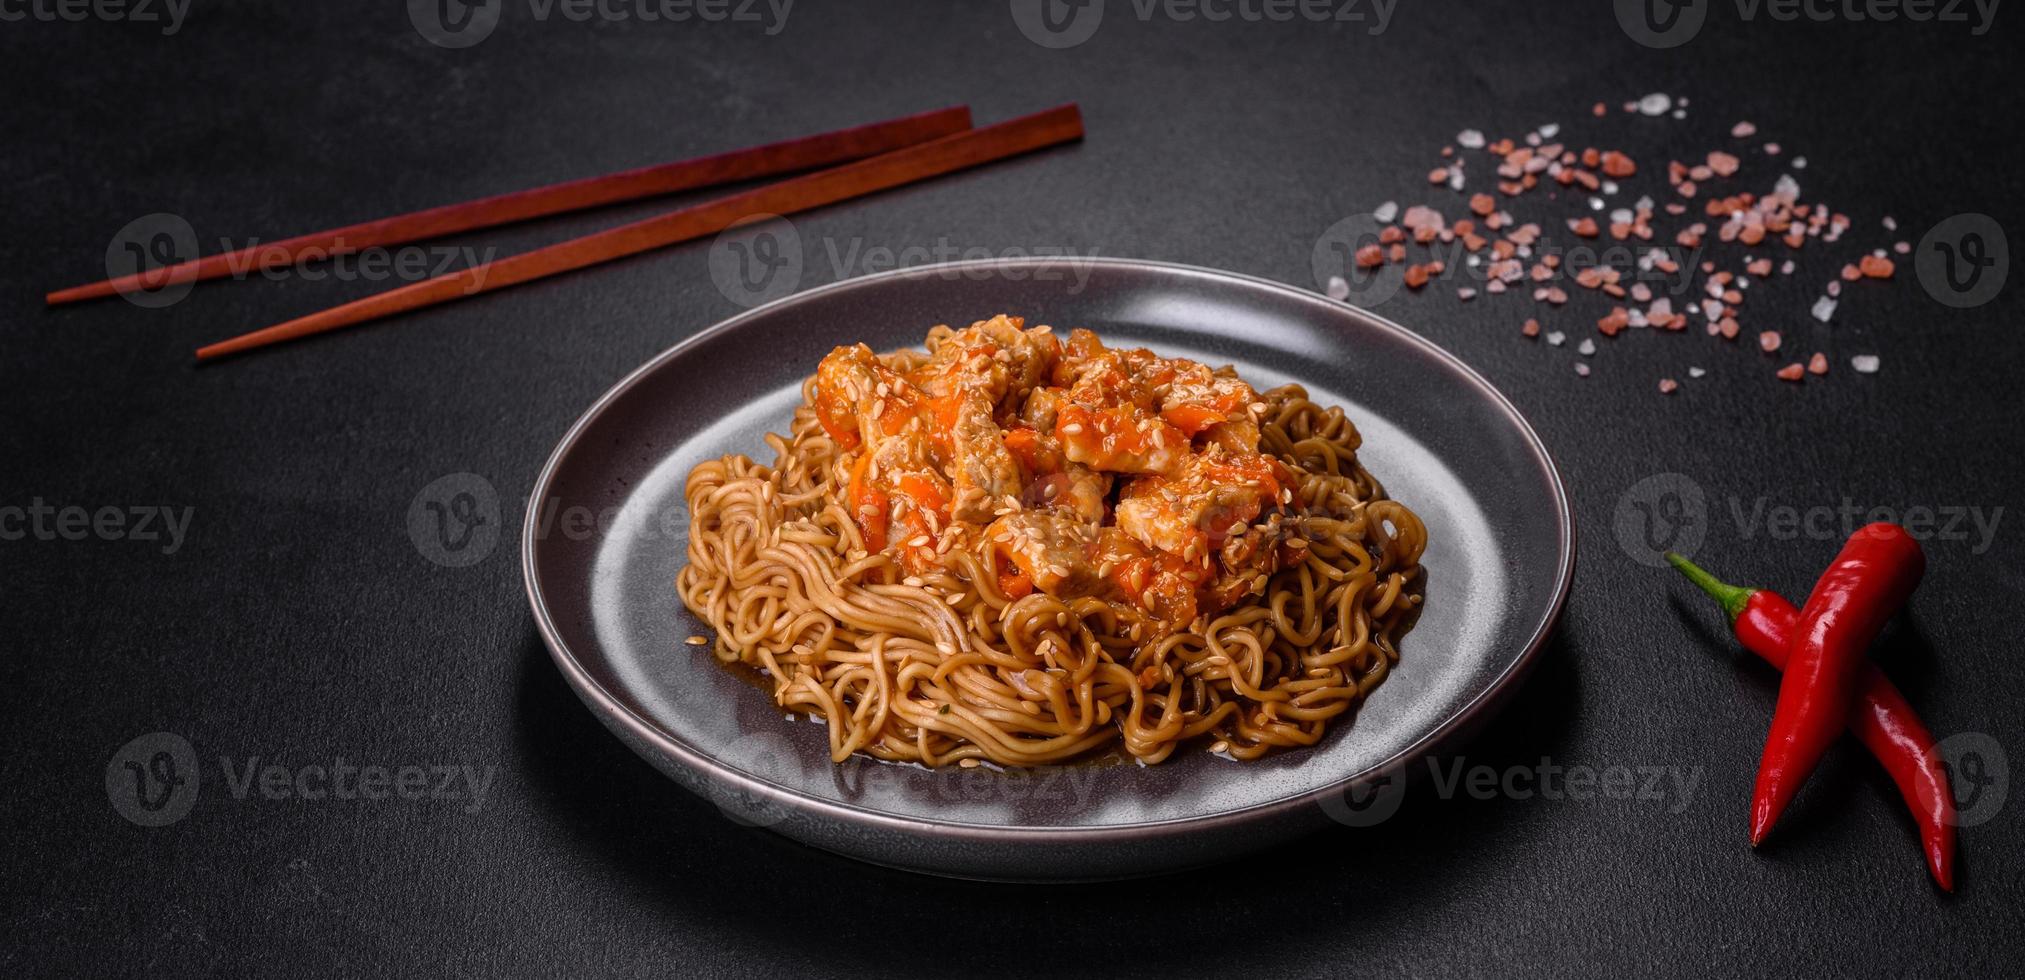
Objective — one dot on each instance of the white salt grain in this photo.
(1655, 104)
(1470, 139)
(1586, 348)
(1864, 363)
(1824, 309)
(1387, 211)
(1556, 337)
(1337, 288)
(1695, 372)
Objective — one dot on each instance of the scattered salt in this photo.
(1824, 308)
(1470, 139)
(1337, 288)
(1586, 348)
(1555, 337)
(1864, 363)
(1655, 104)
(1799, 163)
(1386, 212)
(1695, 372)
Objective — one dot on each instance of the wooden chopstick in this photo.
(772, 159)
(1025, 134)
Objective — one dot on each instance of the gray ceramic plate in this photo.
(1436, 434)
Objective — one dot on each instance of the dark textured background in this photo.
(299, 623)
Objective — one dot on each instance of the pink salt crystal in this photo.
(1743, 130)
(1668, 386)
(1768, 341)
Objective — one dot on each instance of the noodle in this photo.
(942, 666)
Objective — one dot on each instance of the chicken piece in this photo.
(1213, 407)
(982, 471)
(859, 399)
(1207, 500)
(1041, 406)
(994, 356)
(1119, 440)
(1051, 548)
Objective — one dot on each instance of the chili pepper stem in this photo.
(1733, 597)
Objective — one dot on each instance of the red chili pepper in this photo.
(1862, 589)
(1882, 720)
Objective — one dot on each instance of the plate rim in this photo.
(644, 732)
